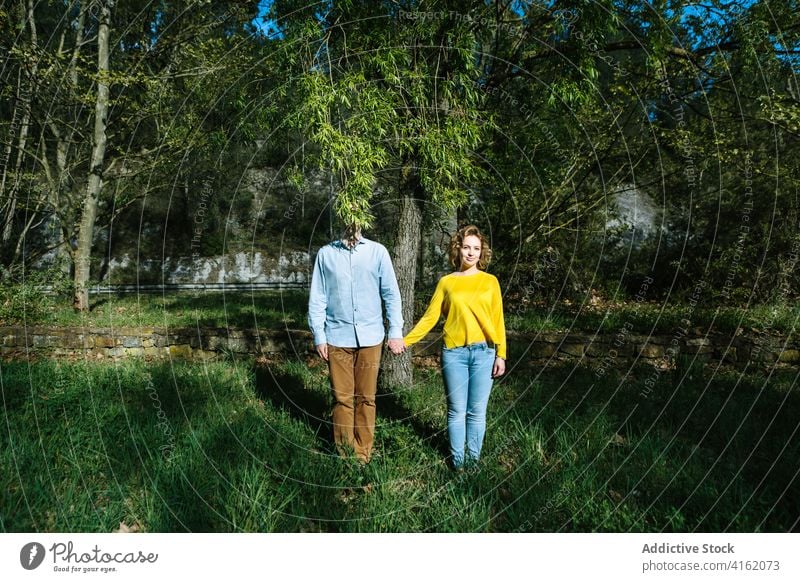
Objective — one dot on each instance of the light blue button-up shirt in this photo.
(344, 307)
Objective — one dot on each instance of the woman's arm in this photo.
(498, 322)
(431, 317)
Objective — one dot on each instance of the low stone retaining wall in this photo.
(147, 342)
(603, 351)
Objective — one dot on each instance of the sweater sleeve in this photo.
(498, 320)
(430, 318)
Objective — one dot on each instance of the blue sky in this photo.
(267, 27)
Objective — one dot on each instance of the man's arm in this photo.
(317, 306)
(390, 293)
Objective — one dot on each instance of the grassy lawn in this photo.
(278, 309)
(235, 446)
(236, 309)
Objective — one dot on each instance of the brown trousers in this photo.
(354, 378)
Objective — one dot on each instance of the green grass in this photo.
(655, 318)
(234, 446)
(262, 309)
(273, 309)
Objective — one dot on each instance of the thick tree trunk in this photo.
(397, 370)
(439, 226)
(83, 252)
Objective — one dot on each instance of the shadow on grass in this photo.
(248, 475)
(287, 391)
(721, 441)
(391, 407)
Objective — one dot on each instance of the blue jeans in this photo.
(467, 372)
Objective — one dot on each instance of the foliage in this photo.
(530, 118)
(379, 91)
(30, 297)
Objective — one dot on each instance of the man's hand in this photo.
(499, 367)
(397, 345)
(322, 350)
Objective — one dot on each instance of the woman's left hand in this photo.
(499, 367)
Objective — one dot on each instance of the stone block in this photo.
(612, 351)
(131, 342)
(134, 352)
(789, 356)
(697, 349)
(103, 341)
(541, 350)
(571, 349)
(44, 341)
(154, 353)
(181, 351)
(730, 355)
(205, 355)
(651, 351)
(79, 340)
(241, 345)
(215, 342)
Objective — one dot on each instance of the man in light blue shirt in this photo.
(351, 278)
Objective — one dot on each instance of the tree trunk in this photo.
(24, 102)
(438, 226)
(83, 251)
(59, 220)
(397, 370)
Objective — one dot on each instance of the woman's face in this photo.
(470, 251)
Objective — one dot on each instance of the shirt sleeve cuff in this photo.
(319, 338)
(395, 332)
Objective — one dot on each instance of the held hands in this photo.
(397, 346)
(499, 367)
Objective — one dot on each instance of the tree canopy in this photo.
(530, 118)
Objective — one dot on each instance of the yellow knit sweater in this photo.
(473, 307)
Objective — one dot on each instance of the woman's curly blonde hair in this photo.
(458, 239)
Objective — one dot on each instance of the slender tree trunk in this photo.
(397, 370)
(9, 198)
(59, 220)
(86, 227)
(24, 93)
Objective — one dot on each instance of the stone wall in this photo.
(599, 351)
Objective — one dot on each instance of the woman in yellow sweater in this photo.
(474, 349)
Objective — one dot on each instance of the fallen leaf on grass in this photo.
(123, 528)
(618, 440)
(616, 496)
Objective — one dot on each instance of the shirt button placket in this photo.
(353, 294)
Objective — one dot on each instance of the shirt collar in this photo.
(339, 243)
